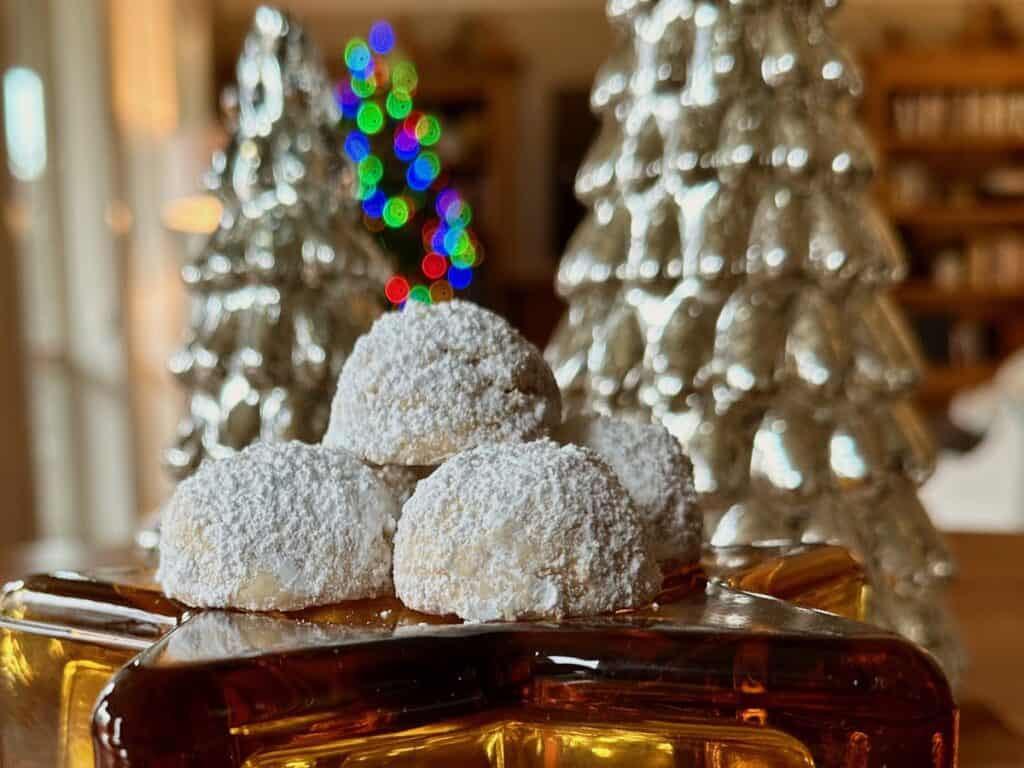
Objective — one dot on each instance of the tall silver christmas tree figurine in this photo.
(729, 281)
(290, 278)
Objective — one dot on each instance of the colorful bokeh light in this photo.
(426, 165)
(396, 289)
(370, 118)
(445, 199)
(406, 146)
(428, 130)
(404, 77)
(415, 182)
(420, 293)
(371, 170)
(365, 191)
(380, 87)
(373, 206)
(396, 212)
(460, 277)
(437, 240)
(441, 291)
(456, 242)
(357, 146)
(363, 88)
(348, 101)
(434, 265)
(382, 38)
(465, 259)
(357, 55)
(398, 104)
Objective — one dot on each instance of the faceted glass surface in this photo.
(539, 740)
(104, 667)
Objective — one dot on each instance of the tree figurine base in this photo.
(101, 667)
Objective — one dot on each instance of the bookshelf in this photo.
(949, 126)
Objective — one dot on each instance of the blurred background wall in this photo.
(110, 111)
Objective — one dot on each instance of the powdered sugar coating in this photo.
(651, 465)
(401, 480)
(278, 526)
(522, 530)
(434, 380)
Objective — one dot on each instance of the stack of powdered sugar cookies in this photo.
(447, 478)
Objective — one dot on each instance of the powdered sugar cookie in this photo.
(278, 527)
(522, 530)
(433, 380)
(651, 465)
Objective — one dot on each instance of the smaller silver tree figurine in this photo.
(290, 278)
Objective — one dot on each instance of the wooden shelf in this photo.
(947, 68)
(960, 217)
(940, 94)
(941, 383)
(954, 145)
(921, 295)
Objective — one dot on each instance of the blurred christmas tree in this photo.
(290, 278)
(405, 194)
(729, 281)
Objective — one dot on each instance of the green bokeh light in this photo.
(429, 162)
(428, 130)
(370, 118)
(464, 259)
(357, 54)
(364, 89)
(371, 170)
(396, 212)
(404, 77)
(420, 293)
(365, 191)
(462, 245)
(399, 105)
(459, 214)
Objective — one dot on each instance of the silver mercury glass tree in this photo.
(730, 279)
(290, 278)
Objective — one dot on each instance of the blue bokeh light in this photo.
(452, 239)
(437, 242)
(357, 145)
(460, 277)
(382, 37)
(373, 206)
(416, 181)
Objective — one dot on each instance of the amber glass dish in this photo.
(103, 668)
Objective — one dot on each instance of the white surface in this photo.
(983, 490)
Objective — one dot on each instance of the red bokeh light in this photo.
(434, 265)
(428, 232)
(397, 289)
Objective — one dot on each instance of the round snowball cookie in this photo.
(522, 530)
(651, 465)
(278, 527)
(434, 380)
